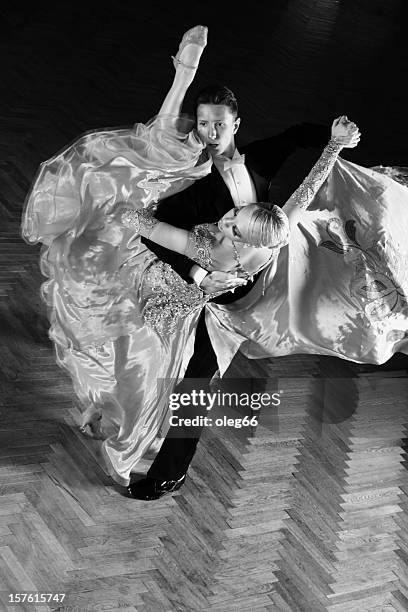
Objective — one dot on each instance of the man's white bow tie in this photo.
(226, 164)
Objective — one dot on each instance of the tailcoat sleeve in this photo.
(266, 156)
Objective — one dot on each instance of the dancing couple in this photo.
(164, 258)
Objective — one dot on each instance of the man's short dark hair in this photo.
(217, 94)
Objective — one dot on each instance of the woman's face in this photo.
(235, 223)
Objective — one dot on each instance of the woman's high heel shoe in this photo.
(92, 428)
(194, 36)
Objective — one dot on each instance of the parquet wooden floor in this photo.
(306, 512)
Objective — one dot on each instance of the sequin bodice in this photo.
(168, 298)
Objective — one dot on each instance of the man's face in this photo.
(217, 126)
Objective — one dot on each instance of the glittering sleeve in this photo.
(199, 245)
(142, 221)
(305, 193)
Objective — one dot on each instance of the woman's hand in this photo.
(345, 132)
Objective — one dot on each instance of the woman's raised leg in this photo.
(186, 63)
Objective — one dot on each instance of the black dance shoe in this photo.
(151, 488)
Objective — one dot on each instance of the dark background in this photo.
(68, 68)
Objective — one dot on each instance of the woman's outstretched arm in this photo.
(194, 244)
(186, 63)
(343, 134)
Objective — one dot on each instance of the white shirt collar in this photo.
(222, 162)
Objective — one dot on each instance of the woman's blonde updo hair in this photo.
(268, 225)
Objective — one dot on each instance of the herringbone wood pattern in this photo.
(309, 511)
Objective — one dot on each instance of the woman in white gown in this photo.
(95, 266)
(338, 288)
